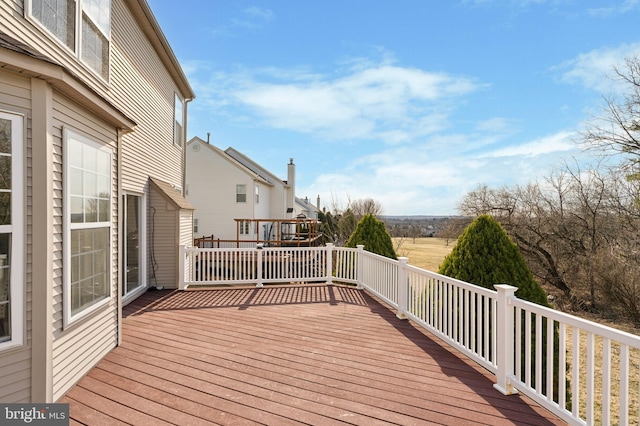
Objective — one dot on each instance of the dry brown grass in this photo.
(426, 253)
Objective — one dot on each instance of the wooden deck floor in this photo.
(312, 354)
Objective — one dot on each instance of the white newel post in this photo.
(403, 287)
(183, 269)
(259, 265)
(505, 323)
(329, 274)
(359, 265)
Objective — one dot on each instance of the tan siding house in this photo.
(91, 150)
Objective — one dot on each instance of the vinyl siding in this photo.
(145, 91)
(212, 184)
(163, 223)
(186, 228)
(15, 364)
(139, 85)
(79, 347)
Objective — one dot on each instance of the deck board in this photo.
(303, 354)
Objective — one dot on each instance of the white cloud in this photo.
(595, 69)
(559, 142)
(384, 102)
(616, 9)
(431, 178)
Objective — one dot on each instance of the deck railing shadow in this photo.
(246, 297)
(529, 348)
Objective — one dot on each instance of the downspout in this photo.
(119, 134)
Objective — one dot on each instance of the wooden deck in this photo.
(312, 354)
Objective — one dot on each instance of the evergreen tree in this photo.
(372, 233)
(485, 255)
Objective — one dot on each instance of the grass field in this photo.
(426, 253)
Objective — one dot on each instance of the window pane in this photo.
(100, 13)
(5, 136)
(76, 208)
(89, 271)
(58, 16)
(5, 208)
(103, 165)
(77, 181)
(5, 286)
(95, 48)
(103, 210)
(5, 172)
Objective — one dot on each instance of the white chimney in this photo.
(291, 181)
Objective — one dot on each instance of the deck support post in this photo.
(329, 270)
(182, 285)
(403, 287)
(505, 339)
(259, 265)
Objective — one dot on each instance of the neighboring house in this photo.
(92, 130)
(227, 185)
(304, 207)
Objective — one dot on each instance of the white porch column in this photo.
(360, 266)
(403, 287)
(504, 335)
(259, 265)
(329, 274)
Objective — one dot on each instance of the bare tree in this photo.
(618, 129)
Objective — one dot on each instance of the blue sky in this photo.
(410, 102)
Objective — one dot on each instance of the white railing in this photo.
(582, 371)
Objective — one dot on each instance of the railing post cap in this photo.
(360, 246)
(329, 244)
(506, 288)
(403, 259)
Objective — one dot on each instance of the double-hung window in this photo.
(82, 26)
(241, 193)
(11, 240)
(178, 120)
(88, 225)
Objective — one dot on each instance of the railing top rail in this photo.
(378, 257)
(584, 324)
(463, 284)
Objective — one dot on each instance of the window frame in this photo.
(238, 193)
(70, 318)
(78, 46)
(16, 229)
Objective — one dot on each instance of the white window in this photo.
(11, 239)
(178, 127)
(241, 193)
(83, 26)
(245, 227)
(88, 226)
(257, 195)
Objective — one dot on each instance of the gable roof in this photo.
(225, 156)
(253, 166)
